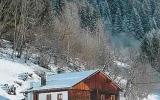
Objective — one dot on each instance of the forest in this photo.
(62, 32)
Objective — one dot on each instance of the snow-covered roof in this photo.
(65, 80)
(3, 98)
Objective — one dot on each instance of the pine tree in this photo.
(150, 48)
(58, 6)
(138, 29)
(117, 26)
(155, 51)
(88, 18)
(146, 48)
(106, 14)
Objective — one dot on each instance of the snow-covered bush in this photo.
(24, 76)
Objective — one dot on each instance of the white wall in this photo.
(42, 96)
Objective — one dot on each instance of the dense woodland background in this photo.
(64, 31)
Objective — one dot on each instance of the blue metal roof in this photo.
(65, 80)
(3, 98)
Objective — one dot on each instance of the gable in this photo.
(98, 81)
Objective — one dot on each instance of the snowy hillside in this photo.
(15, 73)
(9, 72)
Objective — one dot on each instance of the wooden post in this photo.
(97, 94)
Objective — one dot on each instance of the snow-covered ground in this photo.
(9, 72)
(12, 72)
(152, 97)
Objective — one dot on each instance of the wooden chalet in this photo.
(85, 85)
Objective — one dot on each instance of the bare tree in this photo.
(139, 72)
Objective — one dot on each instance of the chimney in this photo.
(43, 79)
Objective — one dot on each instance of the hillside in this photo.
(17, 73)
(87, 24)
(9, 72)
(119, 37)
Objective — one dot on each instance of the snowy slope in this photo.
(152, 97)
(12, 72)
(9, 71)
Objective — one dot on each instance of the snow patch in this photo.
(121, 64)
(152, 97)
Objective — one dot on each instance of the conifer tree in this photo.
(138, 29)
(117, 26)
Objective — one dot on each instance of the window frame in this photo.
(59, 96)
(102, 97)
(48, 97)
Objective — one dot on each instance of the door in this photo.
(35, 96)
(93, 95)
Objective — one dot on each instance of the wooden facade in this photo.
(95, 87)
(79, 95)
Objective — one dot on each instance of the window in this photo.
(59, 97)
(48, 96)
(102, 97)
(113, 97)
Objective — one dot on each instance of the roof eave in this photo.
(45, 90)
